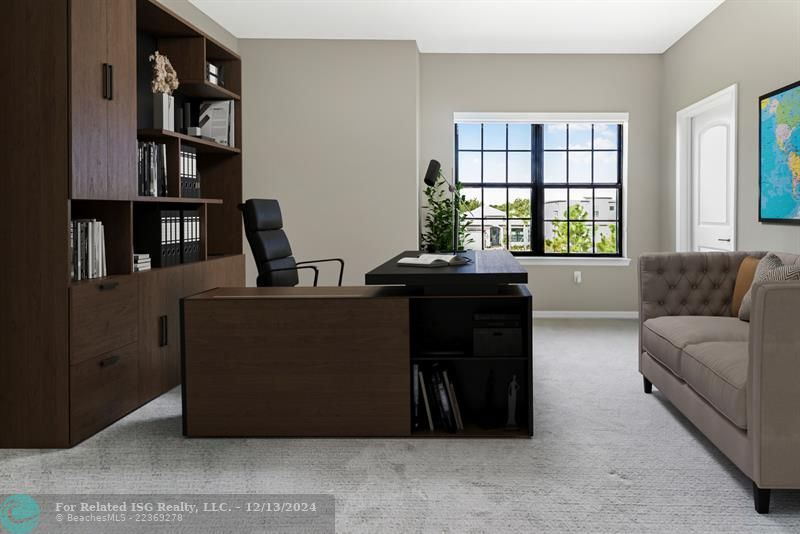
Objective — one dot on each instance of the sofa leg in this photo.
(648, 386)
(761, 499)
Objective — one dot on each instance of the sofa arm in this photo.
(687, 283)
(773, 387)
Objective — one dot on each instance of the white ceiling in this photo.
(478, 26)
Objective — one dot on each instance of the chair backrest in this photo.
(263, 226)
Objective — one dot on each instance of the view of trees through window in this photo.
(541, 189)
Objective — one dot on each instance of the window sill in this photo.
(563, 261)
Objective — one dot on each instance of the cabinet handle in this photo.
(725, 240)
(110, 82)
(108, 362)
(163, 337)
(107, 286)
(105, 81)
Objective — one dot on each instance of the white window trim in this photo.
(535, 117)
(559, 261)
(616, 117)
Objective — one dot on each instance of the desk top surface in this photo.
(488, 268)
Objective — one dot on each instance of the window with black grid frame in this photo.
(542, 189)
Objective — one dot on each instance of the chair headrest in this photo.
(262, 214)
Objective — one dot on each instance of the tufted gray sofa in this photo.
(738, 382)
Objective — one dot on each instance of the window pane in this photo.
(473, 240)
(605, 238)
(605, 136)
(494, 136)
(494, 233)
(494, 200)
(555, 237)
(555, 136)
(469, 167)
(494, 167)
(580, 237)
(580, 204)
(469, 136)
(580, 136)
(605, 167)
(519, 136)
(472, 202)
(519, 235)
(519, 167)
(519, 203)
(555, 204)
(605, 204)
(555, 167)
(580, 167)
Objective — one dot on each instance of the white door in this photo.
(710, 173)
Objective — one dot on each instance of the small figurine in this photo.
(513, 387)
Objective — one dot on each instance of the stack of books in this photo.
(87, 239)
(152, 169)
(217, 121)
(141, 262)
(215, 74)
(190, 179)
(435, 402)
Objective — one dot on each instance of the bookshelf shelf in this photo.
(206, 89)
(179, 200)
(202, 145)
(473, 431)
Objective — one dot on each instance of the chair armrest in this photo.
(316, 271)
(339, 260)
(773, 385)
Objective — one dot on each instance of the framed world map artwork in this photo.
(779, 155)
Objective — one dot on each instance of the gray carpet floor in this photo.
(604, 458)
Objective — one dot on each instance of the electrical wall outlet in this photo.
(577, 277)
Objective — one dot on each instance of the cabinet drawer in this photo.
(104, 315)
(102, 390)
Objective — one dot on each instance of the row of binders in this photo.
(435, 403)
(190, 178)
(152, 169)
(87, 239)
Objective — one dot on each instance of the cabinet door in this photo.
(89, 109)
(159, 332)
(121, 15)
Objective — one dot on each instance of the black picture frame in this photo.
(761, 218)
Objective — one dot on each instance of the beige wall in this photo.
(756, 44)
(559, 83)
(189, 12)
(330, 129)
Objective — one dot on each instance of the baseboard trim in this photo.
(544, 314)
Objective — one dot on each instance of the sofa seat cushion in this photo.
(664, 338)
(717, 371)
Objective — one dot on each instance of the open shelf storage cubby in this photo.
(447, 334)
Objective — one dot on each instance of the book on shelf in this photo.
(217, 121)
(215, 73)
(141, 262)
(152, 169)
(88, 249)
(190, 178)
(190, 236)
(424, 391)
(415, 396)
(437, 395)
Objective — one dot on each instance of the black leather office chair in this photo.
(263, 226)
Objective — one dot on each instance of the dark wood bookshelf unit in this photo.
(443, 332)
(79, 355)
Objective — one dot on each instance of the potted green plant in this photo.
(438, 235)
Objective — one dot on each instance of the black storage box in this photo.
(497, 335)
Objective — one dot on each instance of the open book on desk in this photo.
(434, 260)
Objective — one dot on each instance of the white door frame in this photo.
(683, 171)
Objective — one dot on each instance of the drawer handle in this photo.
(107, 286)
(163, 334)
(108, 362)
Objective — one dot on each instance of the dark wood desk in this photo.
(488, 268)
(333, 361)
